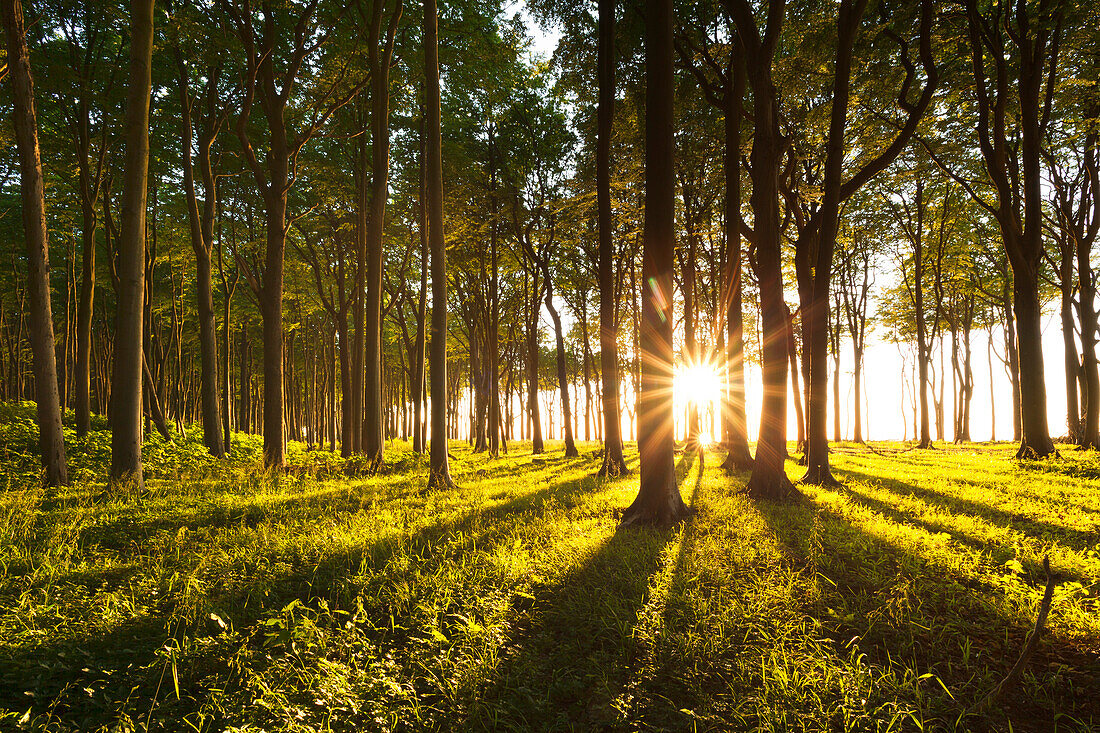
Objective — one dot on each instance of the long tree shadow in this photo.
(573, 651)
(57, 670)
(911, 614)
(1001, 551)
(1080, 540)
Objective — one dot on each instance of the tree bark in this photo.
(614, 464)
(658, 501)
(51, 439)
(202, 240)
(439, 465)
(769, 478)
(379, 64)
(126, 412)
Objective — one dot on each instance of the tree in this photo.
(769, 478)
(274, 85)
(658, 500)
(212, 115)
(1013, 59)
(727, 93)
(816, 245)
(438, 464)
(613, 462)
(379, 61)
(51, 439)
(126, 380)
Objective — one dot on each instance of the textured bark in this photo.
(1016, 176)
(51, 440)
(126, 410)
(658, 501)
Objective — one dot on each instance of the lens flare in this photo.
(697, 384)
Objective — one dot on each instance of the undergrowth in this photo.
(226, 598)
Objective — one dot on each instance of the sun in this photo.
(698, 384)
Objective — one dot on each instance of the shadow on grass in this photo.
(573, 652)
(1001, 551)
(115, 661)
(1077, 539)
(909, 613)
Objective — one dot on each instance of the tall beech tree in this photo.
(129, 360)
(438, 461)
(212, 115)
(816, 244)
(614, 464)
(379, 60)
(769, 478)
(658, 501)
(277, 53)
(1013, 51)
(51, 440)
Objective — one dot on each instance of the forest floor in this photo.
(221, 598)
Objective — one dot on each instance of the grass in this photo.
(222, 598)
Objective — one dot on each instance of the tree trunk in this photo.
(769, 478)
(51, 439)
(738, 458)
(563, 381)
(379, 192)
(439, 465)
(202, 236)
(658, 501)
(126, 378)
(418, 385)
(614, 464)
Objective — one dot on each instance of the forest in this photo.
(479, 365)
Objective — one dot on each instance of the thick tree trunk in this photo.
(271, 310)
(658, 501)
(51, 439)
(1035, 440)
(126, 410)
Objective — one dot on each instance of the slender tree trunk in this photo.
(379, 192)
(202, 234)
(769, 478)
(51, 439)
(738, 458)
(1090, 437)
(614, 464)
(439, 464)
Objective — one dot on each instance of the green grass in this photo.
(225, 599)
